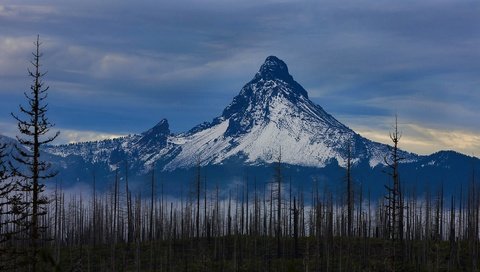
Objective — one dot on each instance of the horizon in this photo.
(112, 76)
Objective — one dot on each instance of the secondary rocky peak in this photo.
(161, 128)
(274, 68)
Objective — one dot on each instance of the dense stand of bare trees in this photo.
(215, 229)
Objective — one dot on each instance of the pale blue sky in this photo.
(118, 67)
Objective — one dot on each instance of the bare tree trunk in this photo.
(198, 188)
(350, 200)
(278, 177)
(34, 128)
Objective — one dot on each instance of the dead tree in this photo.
(129, 207)
(451, 236)
(151, 219)
(394, 205)
(34, 129)
(350, 200)
(278, 181)
(295, 228)
(8, 199)
(198, 192)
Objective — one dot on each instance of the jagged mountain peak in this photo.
(272, 81)
(161, 128)
(271, 111)
(274, 68)
(157, 135)
(272, 73)
(271, 96)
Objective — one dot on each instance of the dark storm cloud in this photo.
(120, 66)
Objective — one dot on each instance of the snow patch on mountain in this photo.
(202, 147)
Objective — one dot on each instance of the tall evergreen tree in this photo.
(34, 128)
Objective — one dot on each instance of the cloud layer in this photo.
(120, 66)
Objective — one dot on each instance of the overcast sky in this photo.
(118, 67)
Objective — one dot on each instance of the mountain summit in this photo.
(260, 100)
(274, 68)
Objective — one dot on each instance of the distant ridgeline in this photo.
(271, 119)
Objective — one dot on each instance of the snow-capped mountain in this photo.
(271, 114)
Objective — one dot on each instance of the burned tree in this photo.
(278, 180)
(8, 199)
(349, 193)
(33, 171)
(394, 199)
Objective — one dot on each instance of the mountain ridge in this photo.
(270, 112)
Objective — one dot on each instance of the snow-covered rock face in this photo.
(273, 96)
(272, 112)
